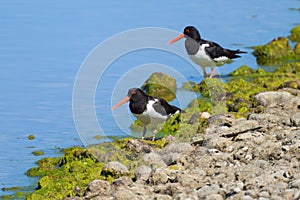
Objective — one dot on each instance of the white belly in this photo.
(202, 59)
(151, 116)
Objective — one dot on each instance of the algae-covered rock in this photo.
(161, 85)
(295, 34)
(30, 137)
(271, 53)
(38, 153)
(211, 88)
(243, 70)
(287, 68)
(297, 49)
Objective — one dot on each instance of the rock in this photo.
(161, 85)
(158, 176)
(215, 197)
(154, 158)
(275, 50)
(122, 181)
(297, 49)
(271, 99)
(139, 146)
(124, 194)
(207, 190)
(219, 143)
(242, 70)
(142, 173)
(295, 119)
(114, 169)
(98, 187)
(296, 184)
(172, 152)
(221, 120)
(295, 34)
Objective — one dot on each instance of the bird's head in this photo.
(133, 95)
(188, 32)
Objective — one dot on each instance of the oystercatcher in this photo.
(148, 109)
(203, 52)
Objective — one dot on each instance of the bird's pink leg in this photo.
(212, 72)
(154, 134)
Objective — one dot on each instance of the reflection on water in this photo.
(42, 47)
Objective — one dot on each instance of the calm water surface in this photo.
(43, 45)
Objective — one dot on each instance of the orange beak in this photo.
(177, 38)
(126, 99)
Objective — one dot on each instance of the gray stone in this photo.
(296, 184)
(295, 119)
(171, 153)
(100, 187)
(142, 173)
(124, 194)
(154, 158)
(115, 169)
(138, 146)
(271, 99)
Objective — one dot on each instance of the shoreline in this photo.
(160, 173)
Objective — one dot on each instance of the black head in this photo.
(136, 94)
(192, 32)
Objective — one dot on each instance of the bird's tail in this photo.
(233, 53)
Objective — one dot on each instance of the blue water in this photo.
(42, 47)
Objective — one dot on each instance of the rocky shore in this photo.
(257, 157)
(239, 140)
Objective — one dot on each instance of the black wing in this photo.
(164, 108)
(216, 51)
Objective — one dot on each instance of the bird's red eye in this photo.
(133, 93)
(187, 30)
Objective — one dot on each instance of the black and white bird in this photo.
(148, 109)
(203, 52)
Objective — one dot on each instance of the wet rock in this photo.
(275, 50)
(295, 34)
(161, 85)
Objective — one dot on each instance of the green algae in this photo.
(77, 167)
(38, 153)
(295, 34)
(30, 137)
(59, 176)
(161, 85)
(297, 49)
(275, 52)
(243, 70)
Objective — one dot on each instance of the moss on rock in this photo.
(295, 34)
(297, 49)
(275, 51)
(161, 85)
(242, 71)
